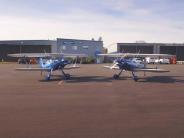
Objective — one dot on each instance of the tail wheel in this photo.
(67, 76)
(116, 76)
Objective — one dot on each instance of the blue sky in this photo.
(113, 20)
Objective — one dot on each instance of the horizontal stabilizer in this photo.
(111, 67)
(72, 67)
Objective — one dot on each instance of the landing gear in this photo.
(67, 76)
(135, 78)
(116, 76)
(47, 78)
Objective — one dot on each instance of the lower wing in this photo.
(33, 69)
(44, 69)
(151, 70)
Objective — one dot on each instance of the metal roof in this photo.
(28, 42)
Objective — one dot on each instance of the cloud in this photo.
(114, 20)
(119, 5)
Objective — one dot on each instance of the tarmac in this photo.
(92, 104)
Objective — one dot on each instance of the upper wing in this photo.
(135, 55)
(149, 55)
(151, 70)
(30, 55)
(112, 55)
(39, 55)
(67, 55)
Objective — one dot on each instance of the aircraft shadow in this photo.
(81, 79)
(162, 79)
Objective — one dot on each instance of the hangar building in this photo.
(74, 46)
(24, 46)
(89, 47)
(156, 48)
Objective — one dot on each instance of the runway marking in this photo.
(60, 82)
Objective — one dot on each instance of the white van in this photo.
(164, 61)
(150, 60)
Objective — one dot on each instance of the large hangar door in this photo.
(127, 49)
(8, 49)
(136, 49)
(36, 49)
(168, 50)
(144, 49)
(180, 53)
(173, 50)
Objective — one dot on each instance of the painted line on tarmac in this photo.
(60, 82)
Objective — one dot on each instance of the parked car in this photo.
(23, 61)
(150, 60)
(32, 61)
(164, 61)
(27, 61)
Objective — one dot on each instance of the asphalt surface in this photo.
(91, 104)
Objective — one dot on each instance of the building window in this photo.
(85, 47)
(64, 48)
(74, 47)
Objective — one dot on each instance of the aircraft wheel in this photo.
(67, 76)
(116, 76)
(47, 78)
(136, 78)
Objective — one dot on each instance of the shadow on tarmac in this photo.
(95, 79)
(151, 79)
(81, 79)
(162, 79)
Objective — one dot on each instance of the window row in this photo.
(73, 47)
